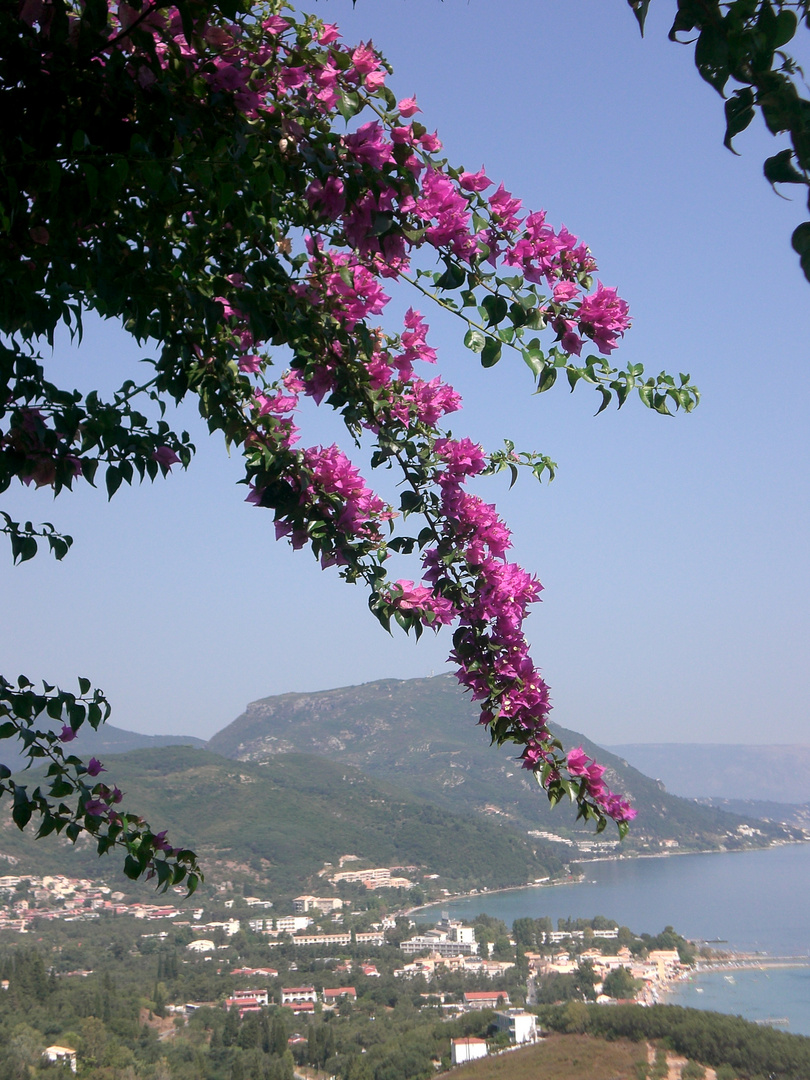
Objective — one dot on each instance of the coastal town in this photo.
(328, 923)
(308, 986)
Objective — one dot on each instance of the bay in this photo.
(756, 901)
(761, 995)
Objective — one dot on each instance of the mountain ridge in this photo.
(422, 735)
(280, 823)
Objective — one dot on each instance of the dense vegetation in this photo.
(430, 751)
(304, 811)
(753, 1051)
(113, 990)
(107, 990)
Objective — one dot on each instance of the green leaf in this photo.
(496, 308)
(349, 105)
(739, 114)
(779, 169)
(453, 278)
(475, 340)
(84, 685)
(801, 245)
(132, 868)
(491, 353)
(409, 502)
(606, 396)
(22, 809)
(113, 480)
(639, 9)
(548, 376)
(712, 56)
(382, 224)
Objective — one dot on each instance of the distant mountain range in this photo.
(422, 735)
(107, 740)
(716, 771)
(395, 771)
(793, 815)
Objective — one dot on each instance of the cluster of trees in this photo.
(119, 1019)
(733, 1046)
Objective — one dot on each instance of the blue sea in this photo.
(753, 901)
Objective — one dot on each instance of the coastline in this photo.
(770, 991)
(578, 879)
(746, 962)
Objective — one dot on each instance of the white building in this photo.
(439, 946)
(521, 1025)
(370, 937)
(291, 924)
(462, 1050)
(292, 995)
(325, 904)
(329, 941)
(456, 931)
(60, 1055)
(203, 945)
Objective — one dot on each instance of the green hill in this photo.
(278, 824)
(89, 743)
(422, 735)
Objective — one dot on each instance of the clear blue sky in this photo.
(673, 551)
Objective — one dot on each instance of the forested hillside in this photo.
(421, 734)
(280, 823)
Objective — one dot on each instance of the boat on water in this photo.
(730, 979)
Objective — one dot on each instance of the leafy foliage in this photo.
(742, 42)
(68, 799)
(231, 182)
(706, 1037)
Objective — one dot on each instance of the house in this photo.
(293, 995)
(243, 1006)
(299, 1007)
(469, 1049)
(520, 1025)
(324, 904)
(203, 945)
(485, 999)
(437, 942)
(329, 941)
(259, 996)
(60, 1055)
(247, 1001)
(291, 924)
(371, 937)
(333, 994)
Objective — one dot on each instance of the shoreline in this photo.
(746, 962)
(580, 879)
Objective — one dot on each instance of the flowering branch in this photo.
(211, 181)
(67, 800)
